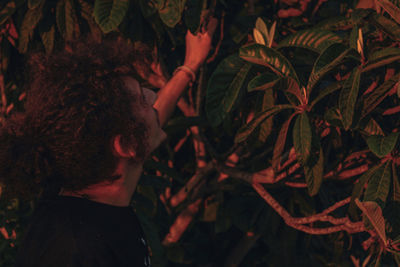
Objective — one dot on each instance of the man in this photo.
(88, 126)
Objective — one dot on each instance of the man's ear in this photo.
(121, 151)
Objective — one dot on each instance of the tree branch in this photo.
(340, 224)
(182, 222)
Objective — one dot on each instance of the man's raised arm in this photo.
(197, 48)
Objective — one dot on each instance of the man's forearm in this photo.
(169, 95)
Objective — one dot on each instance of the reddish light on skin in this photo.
(250, 234)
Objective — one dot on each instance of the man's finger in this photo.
(212, 25)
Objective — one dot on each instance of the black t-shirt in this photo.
(70, 231)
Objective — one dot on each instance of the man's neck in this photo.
(115, 193)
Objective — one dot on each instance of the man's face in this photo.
(155, 134)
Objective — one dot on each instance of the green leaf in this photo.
(329, 59)
(262, 28)
(269, 57)
(379, 184)
(4, 56)
(291, 89)
(359, 14)
(302, 137)
(171, 12)
(326, 91)
(266, 126)
(280, 142)
(353, 37)
(258, 37)
(390, 27)
(7, 11)
(65, 19)
(314, 39)
(359, 186)
(314, 170)
(382, 145)
(60, 17)
(48, 39)
(192, 15)
(32, 4)
(348, 97)
(335, 23)
(29, 23)
(376, 97)
(396, 183)
(382, 57)
(69, 20)
(391, 9)
(224, 88)
(223, 221)
(262, 82)
(109, 14)
(374, 214)
(86, 11)
(247, 129)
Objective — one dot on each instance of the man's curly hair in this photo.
(76, 103)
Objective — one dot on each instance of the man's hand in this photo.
(198, 46)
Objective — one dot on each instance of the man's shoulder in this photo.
(70, 228)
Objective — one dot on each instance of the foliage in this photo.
(292, 118)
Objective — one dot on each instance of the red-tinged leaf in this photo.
(258, 37)
(314, 39)
(7, 11)
(269, 57)
(293, 88)
(378, 95)
(382, 57)
(387, 25)
(348, 97)
(373, 128)
(262, 28)
(280, 142)
(263, 81)
(391, 9)
(374, 214)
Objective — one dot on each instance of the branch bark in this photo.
(340, 224)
